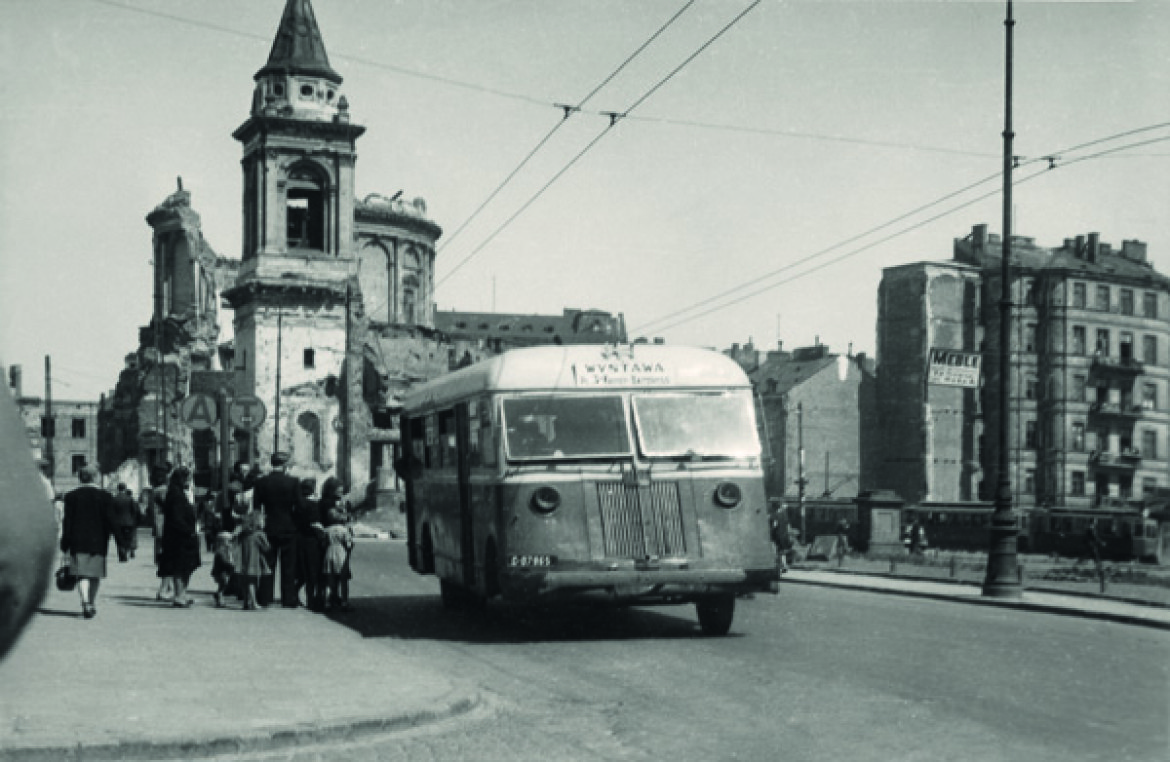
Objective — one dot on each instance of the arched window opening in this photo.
(307, 440)
(305, 209)
(408, 306)
(374, 279)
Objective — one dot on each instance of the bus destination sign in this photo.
(621, 373)
(951, 367)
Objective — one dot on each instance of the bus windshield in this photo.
(672, 425)
(566, 427)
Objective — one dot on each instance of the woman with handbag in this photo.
(86, 528)
(180, 535)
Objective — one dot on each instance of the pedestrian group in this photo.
(263, 526)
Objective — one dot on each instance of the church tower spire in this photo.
(291, 298)
(298, 47)
(299, 149)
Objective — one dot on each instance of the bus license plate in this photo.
(536, 561)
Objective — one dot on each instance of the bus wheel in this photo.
(715, 614)
(451, 594)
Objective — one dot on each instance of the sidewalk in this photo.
(146, 680)
(1067, 604)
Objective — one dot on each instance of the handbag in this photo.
(66, 581)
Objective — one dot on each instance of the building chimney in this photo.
(979, 236)
(1080, 249)
(1093, 246)
(14, 381)
(1134, 251)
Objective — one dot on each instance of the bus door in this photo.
(466, 522)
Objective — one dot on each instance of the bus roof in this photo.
(583, 367)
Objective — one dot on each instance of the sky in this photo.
(777, 166)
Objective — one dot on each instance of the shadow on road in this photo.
(424, 617)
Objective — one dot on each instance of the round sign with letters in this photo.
(247, 412)
(199, 411)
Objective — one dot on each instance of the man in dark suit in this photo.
(278, 495)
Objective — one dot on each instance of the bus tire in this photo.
(715, 614)
(452, 595)
(427, 562)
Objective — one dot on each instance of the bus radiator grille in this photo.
(637, 522)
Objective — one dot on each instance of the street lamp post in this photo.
(1002, 579)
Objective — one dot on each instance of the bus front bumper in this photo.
(625, 585)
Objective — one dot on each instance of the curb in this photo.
(994, 602)
(279, 739)
(1029, 588)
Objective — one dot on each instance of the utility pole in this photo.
(800, 481)
(1002, 580)
(50, 423)
(276, 404)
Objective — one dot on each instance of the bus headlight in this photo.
(728, 494)
(546, 500)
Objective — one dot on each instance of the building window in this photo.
(1078, 437)
(1030, 293)
(1030, 388)
(79, 428)
(1149, 487)
(408, 306)
(1150, 350)
(1127, 301)
(1125, 345)
(1078, 340)
(1103, 342)
(76, 463)
(1150, 396)
(307, 439)
(1078, 483)
(1150, 304)
(1030, 435)
(1078, 390)
(310, 358)
(1149, 444)
(1030, 481)
(1030, 337)
(1079, 299)
(1103, 298)
(305, 209)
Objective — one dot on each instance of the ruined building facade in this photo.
(332, 300)
(1089, 408)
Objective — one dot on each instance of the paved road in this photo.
(811, 674)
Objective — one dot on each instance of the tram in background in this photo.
(1127, 533)
(626, 474)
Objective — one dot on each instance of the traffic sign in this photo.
(247, 412)
(199, 411)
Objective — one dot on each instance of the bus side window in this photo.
(487, 441)
(432, 441)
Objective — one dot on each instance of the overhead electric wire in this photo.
(568, 112)
(820, 266)
(613, 121)
(525, 98)
(821, 252)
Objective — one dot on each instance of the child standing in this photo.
(253, 544)
(336, 565)
(223, 566)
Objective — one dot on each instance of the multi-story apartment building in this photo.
(69, 442)
(814, 403)
(1089, 409)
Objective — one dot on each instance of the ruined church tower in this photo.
(294, 286)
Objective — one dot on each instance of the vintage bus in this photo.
(628, 474)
